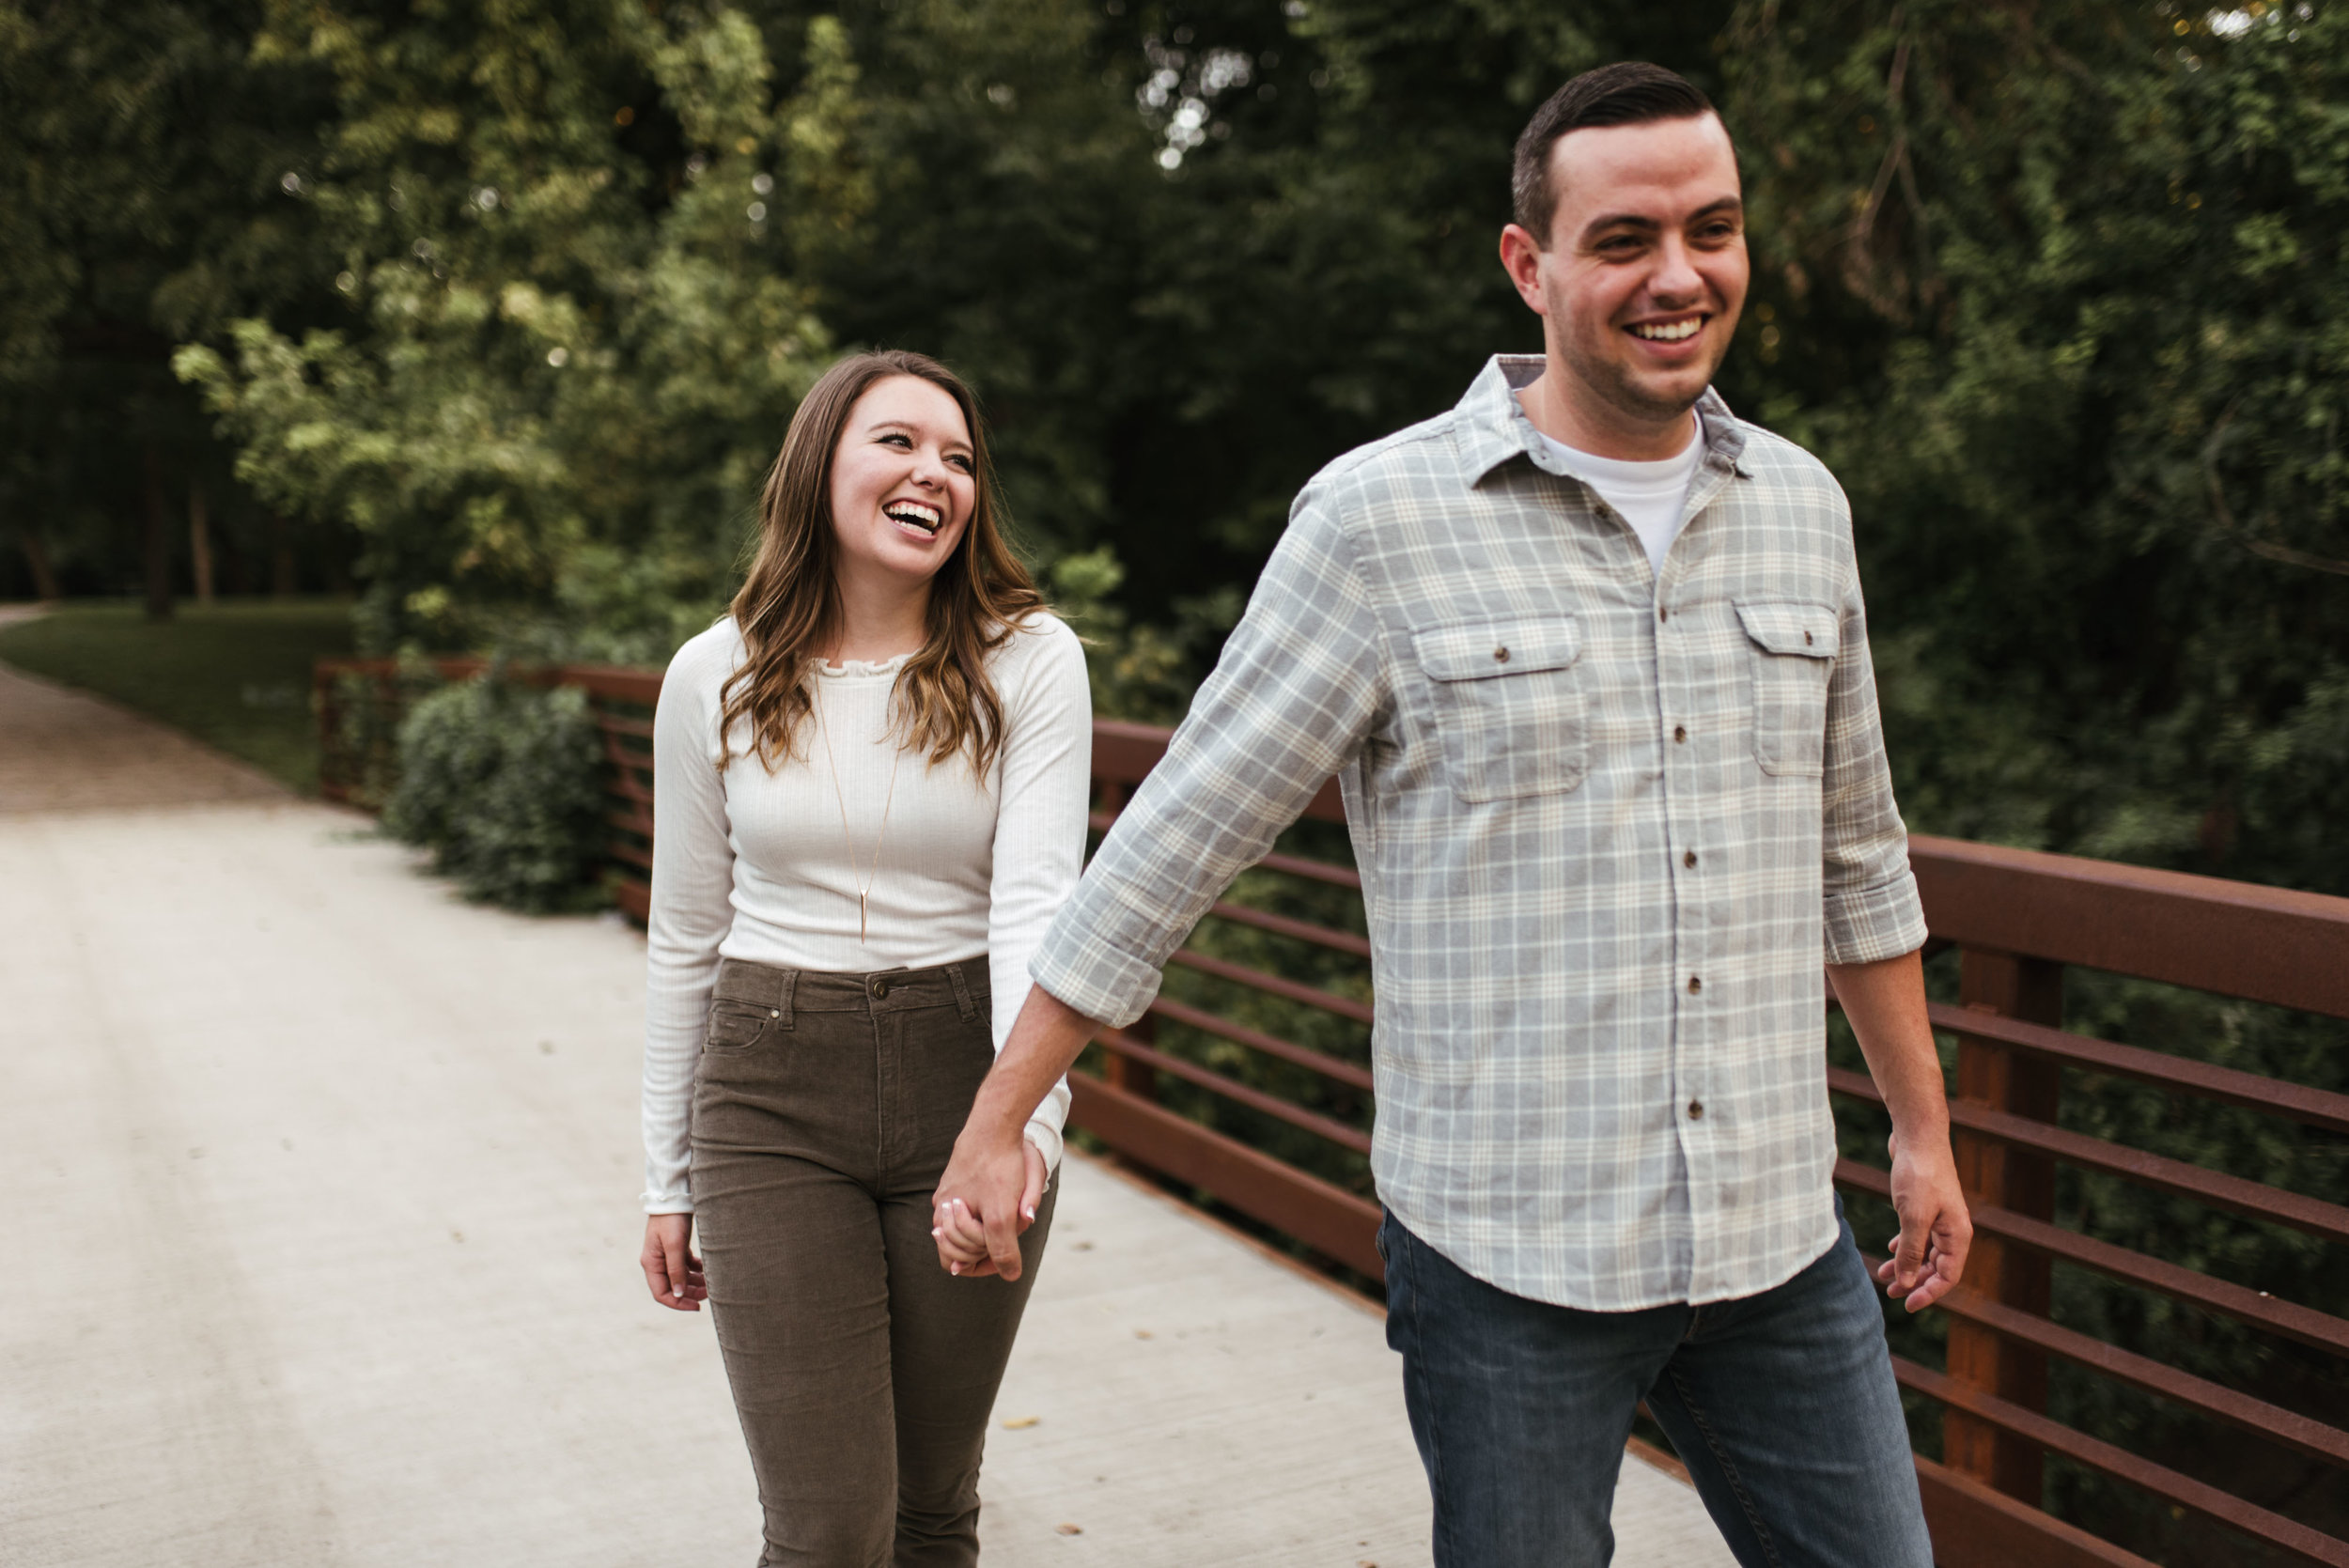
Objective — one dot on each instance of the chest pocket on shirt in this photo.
(1793, 658)
(1510, 707)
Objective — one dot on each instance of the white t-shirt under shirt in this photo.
(1649, 495)
(755, 866)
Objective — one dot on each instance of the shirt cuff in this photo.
(1099, 982)
(1864, 926)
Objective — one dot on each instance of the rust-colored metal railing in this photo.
(2017, 919)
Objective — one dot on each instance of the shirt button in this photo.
(1695, 984)
(1696, 1110)
(1680, 734)
(1500, 655)
(1806, 639)
(1688, 857)
(881, 989)
(1663, 613)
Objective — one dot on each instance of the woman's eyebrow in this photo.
(881, 426)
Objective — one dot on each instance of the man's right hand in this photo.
(988, 1171)
(988, 1177)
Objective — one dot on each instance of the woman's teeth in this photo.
(914, 514)
(1670, 331)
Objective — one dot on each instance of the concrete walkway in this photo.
(323, 1244)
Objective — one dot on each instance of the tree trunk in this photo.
(37, 557)
(158, 541)
(281, 578)
(200, 542)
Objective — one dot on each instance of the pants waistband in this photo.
(962, 985)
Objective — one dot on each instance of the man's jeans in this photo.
(1783, 1405)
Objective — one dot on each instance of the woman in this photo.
(869, 800)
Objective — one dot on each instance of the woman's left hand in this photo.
(962, 1240)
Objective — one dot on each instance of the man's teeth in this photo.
(1670, 331)
(926, 517)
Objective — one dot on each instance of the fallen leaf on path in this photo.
(1014, 1424)
(1069, 1530)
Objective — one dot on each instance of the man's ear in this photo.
(1521, 259)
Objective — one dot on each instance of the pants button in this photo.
(881, 989)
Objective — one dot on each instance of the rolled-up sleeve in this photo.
(1297, 690)
(1869, 905)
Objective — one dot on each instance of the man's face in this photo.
(1644, 272)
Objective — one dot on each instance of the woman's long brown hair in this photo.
(790, 608)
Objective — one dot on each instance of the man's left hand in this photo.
(1929, 1255)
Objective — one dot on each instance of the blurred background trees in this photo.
(495, 314)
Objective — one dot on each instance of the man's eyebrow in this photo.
(1648, 226)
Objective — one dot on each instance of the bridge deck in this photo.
(324, 1238)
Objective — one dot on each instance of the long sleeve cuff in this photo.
(1096, 980)
(1866, 924)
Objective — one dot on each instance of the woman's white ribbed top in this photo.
(753, 865)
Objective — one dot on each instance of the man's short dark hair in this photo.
(1630, 92)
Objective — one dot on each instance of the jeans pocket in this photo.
(737, 1026)
(1792, 660)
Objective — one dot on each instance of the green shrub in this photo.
(503, 784)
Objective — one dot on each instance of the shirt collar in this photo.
(1493, 427)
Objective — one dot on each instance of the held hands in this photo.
(670, 1267)
(985, 1202)
(1929, 1254)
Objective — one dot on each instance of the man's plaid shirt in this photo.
(1609, 827)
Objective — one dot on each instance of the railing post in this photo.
(2020, 1181)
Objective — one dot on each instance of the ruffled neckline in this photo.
(850, 669)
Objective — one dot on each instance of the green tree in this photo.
(568, 351)
(141, 205)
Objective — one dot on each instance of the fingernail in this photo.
(953, 1268)
(1029, 1211)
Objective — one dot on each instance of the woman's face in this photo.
(903, 480)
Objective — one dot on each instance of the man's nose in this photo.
(1676, 279)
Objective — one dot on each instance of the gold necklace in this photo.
(864, 893)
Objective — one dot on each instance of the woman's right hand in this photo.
(670, 1267)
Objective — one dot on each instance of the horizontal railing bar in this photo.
(629, 788)
(621, 723)
(2288, 1428)
(1975, 1526)
(1335, 1068)
(620, 849)
(1300, 930)
(2288, 1535)
(1322, 1215)
(1272, 984)
(2287, 1319)
(1231, 1088)
(2235, 1194)
(1317, 871)
(2238, 939)
(629, 822)
(2315, 1106)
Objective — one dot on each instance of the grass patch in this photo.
(236, 675)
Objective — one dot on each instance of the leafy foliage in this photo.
(503, 784)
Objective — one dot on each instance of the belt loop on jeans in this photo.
(962, 994)
(789, 981)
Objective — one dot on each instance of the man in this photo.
(1589, 658)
